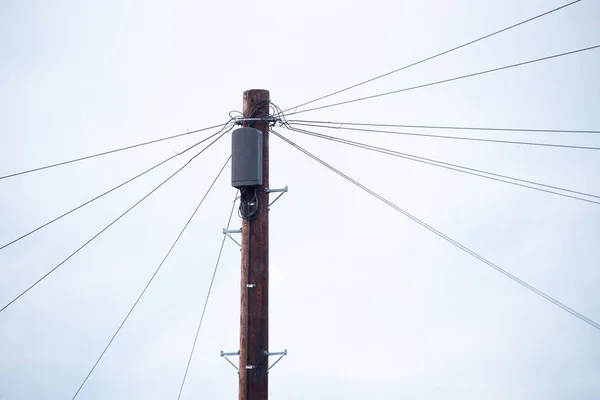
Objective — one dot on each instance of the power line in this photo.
(445, 237)
(566, 146)
(459, 168)
(446, 80)
(340, 124)
(212, 280)
(436, 55)
(107, 226)
(110, 190)
(151, 278)
(109, 152)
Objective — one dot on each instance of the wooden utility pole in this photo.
(254, 320)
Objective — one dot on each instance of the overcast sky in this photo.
(369, 304)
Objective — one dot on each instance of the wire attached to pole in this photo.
(343, 125)
(471, 139)
(249, 203)
(536, 60)
(212, 281)
(459, 168)
(107, 226)
(150, 281)
(109, 152)
(523, 283)
(433, 56)
(114, 188)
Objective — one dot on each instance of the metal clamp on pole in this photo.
(269, 119)
(280, 191)
(281, 354)
(228, 231)
(225, 355)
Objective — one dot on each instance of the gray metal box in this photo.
(246, 157)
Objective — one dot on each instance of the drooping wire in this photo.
(442, 235)
(455, 167)
(279, 115)
(249, 203)
(435, 55)
(448, 80)
(274, 117)
(151, 279)
(109, 152)
(212, 280)
(440, 127)
(115, 188)
(259, 110)
(108, 226)
(425, 135)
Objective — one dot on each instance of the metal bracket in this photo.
(281, 354)
(280, 191)
(228, 231)
(268, 190)
(225, 355)
(270, 119)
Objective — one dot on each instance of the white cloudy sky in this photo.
(369, 304)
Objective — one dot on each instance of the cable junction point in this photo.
(270, 120)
